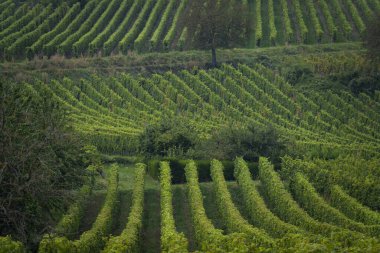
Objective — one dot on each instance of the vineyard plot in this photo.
(120, 26)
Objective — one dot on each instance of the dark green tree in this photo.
(171, 137)
(216, 23)
(40, 161)
(249, 142)
(372, 40)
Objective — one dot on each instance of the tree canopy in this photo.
(216, 23)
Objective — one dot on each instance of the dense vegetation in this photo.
(111, 143)
(93, 27)
(40, 160)
(110, 112)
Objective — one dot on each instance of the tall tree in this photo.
(372, 40)
(216, 23)
(40, 161)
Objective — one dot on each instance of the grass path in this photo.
(126, 183)
(151, 231)
(182, 214)
(211, 206)
(92, 210)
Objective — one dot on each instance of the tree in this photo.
(40, 161)
(171, 137)
(372, 40)
(216, 23)
(249, 142)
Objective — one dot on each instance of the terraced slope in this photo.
(112, 111)
(278, 216)
(96, 27)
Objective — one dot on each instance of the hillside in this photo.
(118, 134)
(104, 27)
(111, 111)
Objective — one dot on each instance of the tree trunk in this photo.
(213, 52)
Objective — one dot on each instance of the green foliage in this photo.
(8, 245)
(82, 44)
(141, 40)
(355, 16)
(169, 37)
(317, 207)
(329, 19)
(258, 23)
(115, 23)
(258, 211)
(182, 39)
(127, 42)
(128, 240)
(27, 39)
(272, 25)
(302, 26)
(371, 41)
(154, 40)
(213, 24)
(51, 47)
(209, 238)
(338, 11)
(171, 240)
(118, 35)
(287, 25)
(70, 222)
(41, 153)
(37, 19)
(171, 137)
(282, 203)
(356, 175)
(23, 21)
(38, 45)
(96, 27)
(249, 142)
(314, 19)
(92, 240)
(231, 216)
(67, 46)
(352, 208)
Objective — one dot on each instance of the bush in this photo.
(8, 245)
(248, 142)
(171, 137)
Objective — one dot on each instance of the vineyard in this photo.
(101, 27)
(110, 112)
(117, 133)
(270, 212)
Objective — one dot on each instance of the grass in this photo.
(91, 212)
(182, 214)
(211, 206)
(151, 231)
(158, 62)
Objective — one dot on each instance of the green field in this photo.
(118, 135)
(95, 27)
